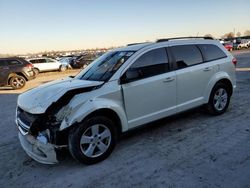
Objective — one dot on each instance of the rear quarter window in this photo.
(211, 52)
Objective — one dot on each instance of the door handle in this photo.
(169, 79)
(207, 69)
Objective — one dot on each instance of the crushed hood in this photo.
(37, 100)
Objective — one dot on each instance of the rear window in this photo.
(212, 52)
(186, 55)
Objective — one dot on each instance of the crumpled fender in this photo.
(79, 113)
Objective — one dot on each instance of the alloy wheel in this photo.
(95, 140)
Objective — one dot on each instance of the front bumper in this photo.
(41, 152)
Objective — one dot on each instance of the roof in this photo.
(162, 42)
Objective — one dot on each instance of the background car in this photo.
(228, 46)
(46, 64)
(15, 72)
(65, 61)
(81, 62)
(243, 45)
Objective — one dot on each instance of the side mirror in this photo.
(129, 76)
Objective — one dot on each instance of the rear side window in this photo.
(13, 62)
(151, 63)
(34, 61)
(211, 52)
(186, 55)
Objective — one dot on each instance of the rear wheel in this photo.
(93, 140)
(36, 71)
(219, 99)
(17, 82)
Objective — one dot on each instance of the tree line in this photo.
(232, 34)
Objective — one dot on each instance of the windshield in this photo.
(105, 66)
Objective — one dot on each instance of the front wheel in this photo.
(17, 82)
(219, 99)
(93, 140)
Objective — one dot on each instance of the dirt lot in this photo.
(192, 149)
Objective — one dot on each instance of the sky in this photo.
(30, 26)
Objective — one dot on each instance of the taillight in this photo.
(234, 61)
(30, 65)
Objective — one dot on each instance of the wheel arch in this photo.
(219, 78)
(14, 74)
(111, 114)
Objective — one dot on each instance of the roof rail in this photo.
(168, 39)
(132, 44)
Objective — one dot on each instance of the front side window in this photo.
(212, 52)
(104, 67)
(186, 55)
(151, 63)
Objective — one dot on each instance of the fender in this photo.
(76, 115)
(217, 77)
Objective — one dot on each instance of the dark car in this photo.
(15, 72)
(82, 61)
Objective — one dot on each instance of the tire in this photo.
(17, 82)
(219, 99)
(93, 140)
(62, 68)
(36, 71)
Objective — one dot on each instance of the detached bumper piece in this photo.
(40, 151)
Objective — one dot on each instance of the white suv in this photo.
(121, 90)
(46, 64)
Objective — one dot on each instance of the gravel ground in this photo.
(192, 149)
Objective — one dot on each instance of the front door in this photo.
(151, 94)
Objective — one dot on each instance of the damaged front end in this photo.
(39, 136)
(39, 115)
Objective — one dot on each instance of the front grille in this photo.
(23, 121)
(23, 128)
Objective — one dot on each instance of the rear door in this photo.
(193, 75)
(152, 94)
